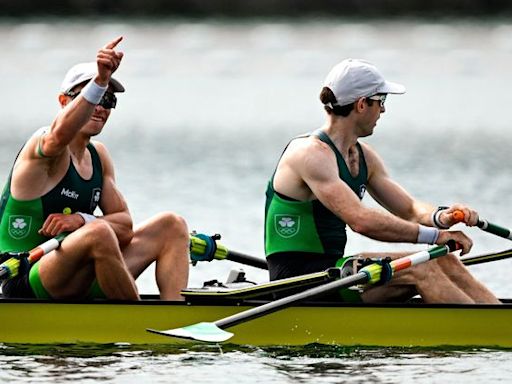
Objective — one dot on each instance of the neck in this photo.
(78, 145)
(341, 131)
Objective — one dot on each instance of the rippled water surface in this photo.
(208, 109)
(324, 364)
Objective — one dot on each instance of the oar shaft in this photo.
(207, 248)
(253, 313)
(246, 259)
(494, 229)
(370, 273)
(486, 226)
(9, 268)
(480, 259)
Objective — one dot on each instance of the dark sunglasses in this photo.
(108, 101)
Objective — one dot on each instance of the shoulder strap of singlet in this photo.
(363, 171)
(95, 158)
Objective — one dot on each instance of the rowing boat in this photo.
(403, 325)
(288, 321)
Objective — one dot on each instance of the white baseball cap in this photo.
(82, 72)
(353, 78)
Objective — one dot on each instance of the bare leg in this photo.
(459, 274)
(164, 239)
(92, 251)
(429, 280)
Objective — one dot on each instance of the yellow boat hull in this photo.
(31, 321)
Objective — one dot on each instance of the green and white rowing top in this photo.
(308, 226)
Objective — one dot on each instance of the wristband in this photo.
(92, 92)
(435, 218)
(87, 218)
(427, 235)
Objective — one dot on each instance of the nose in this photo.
(382, 108)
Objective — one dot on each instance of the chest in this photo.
(351, 159)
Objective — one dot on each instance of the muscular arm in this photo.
(112, 203)
(319, 170)
(393, 196)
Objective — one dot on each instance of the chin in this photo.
(93, 128)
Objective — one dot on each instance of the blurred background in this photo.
(216, 89)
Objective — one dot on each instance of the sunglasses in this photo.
(108, 101)
(380, 98)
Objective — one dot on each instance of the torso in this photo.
(20, 219)
(307, 226)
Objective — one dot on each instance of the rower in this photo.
(63, 181)
(317, 190)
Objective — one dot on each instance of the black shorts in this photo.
(289, 264)
(18, 287)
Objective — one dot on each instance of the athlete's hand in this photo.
(448, 218)
(56, 223)
(458, 236)
(108, 60)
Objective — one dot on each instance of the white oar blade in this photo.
(208, 332)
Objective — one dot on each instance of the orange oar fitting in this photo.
(458, 215)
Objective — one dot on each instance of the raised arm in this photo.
(76, 113)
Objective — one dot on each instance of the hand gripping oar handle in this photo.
(10, 267)
(213, 332)
(207, 248)
(486, 226)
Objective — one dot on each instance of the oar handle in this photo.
(10, 267)
(48, 246)
(486, 226)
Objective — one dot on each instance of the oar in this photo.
(207, 248)
(198, 246)
(486, 226)
(10, 267)
(480, 259)
(214, 332)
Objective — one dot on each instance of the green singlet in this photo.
(20, 220)
(304, 236)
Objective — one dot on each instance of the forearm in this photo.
(121, 223)
(381, 225)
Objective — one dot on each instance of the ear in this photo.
(63, 100)
(360, 104)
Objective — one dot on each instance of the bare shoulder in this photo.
(309, 149)
(311, 158)
(103, 153)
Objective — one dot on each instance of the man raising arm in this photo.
(59, 178)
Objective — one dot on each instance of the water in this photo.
(210, 106)
(318, 363)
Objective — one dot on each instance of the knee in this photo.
(173, 224)
(451, 264)
(98, 234)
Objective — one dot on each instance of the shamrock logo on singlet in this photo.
(19, 226)
(95, 199)
(287, 225)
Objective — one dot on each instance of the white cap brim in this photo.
(391, 87)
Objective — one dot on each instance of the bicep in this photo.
(321, 174)
(112, 200)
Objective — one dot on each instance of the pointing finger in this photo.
(114, 43)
